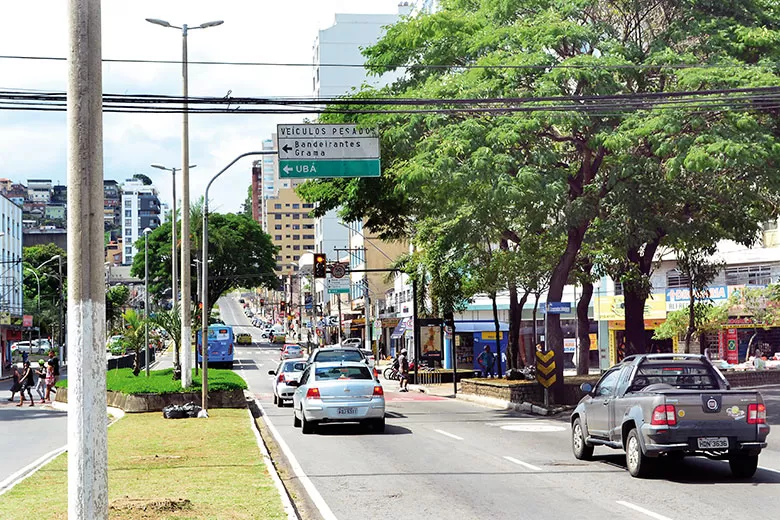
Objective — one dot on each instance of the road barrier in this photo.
(429, 377)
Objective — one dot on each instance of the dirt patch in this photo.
(151, 506)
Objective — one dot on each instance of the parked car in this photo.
(352, 342)
(668, 406)
(287, 370)
(291, 351)
(338, 392)
(24, 346)
(369, 355)
(243, 338)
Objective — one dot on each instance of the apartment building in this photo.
(140, 210)
(10, 276)
(39, 190)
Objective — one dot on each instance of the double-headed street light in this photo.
(174, 245)
(146, 298)
(186, 326)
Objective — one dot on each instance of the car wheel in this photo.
(582, 450)
(276, 399)
(307, 427)
(279, 402)
(639, 465)
(296, 421)
(743, 466)
(378, 425)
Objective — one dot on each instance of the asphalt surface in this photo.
(445, 458)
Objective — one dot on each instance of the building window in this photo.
(749, 275)
(296, 237)
(277, 216)
(308, 247)
(296, 247)
(308, 226)
(128, 222)
(287, 226)
(277, 206)
(276, 237)
(675, 278)
(128, 250)
(128, 203)
(308, 206)
(618, 288)
(128, 212)
(296, 226)
(277, 226)
(296, 216)
(296, 257)
(296, 206)
(286, 236)
(278, 258)
(308, 237)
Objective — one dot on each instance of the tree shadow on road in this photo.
(352, 429)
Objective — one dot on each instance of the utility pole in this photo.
(87, 420)
(61, 325)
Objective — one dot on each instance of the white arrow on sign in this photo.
(287, 170)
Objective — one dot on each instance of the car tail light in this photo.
(664, 415)
(376, 374)
(313, 393)
(280, 379)
(379, 391)
(756, 414)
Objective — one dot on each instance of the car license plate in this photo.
(347, 411)
(707, 443)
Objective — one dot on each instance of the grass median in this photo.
(161, 381)
(165, 469)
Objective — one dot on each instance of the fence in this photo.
(126, 361)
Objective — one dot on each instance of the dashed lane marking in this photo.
(521, 463)
(450, 435)
(642, 510)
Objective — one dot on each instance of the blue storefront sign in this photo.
(558, 307)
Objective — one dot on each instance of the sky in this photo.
(33, 144)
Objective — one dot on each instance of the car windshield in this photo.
(680, 376)
(336, 373)
(338, 355)
(293, 366)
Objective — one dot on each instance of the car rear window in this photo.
(680, 376)
(293, 366)
(335, 373)
(338, 355)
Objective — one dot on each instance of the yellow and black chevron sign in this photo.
(545, 368)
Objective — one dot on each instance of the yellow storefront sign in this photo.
(491, 335)
(613, 308)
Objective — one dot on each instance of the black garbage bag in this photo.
(174, 411)
(192, 409)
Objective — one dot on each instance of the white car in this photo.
(288, 370)
(345, 391)
(352, 342)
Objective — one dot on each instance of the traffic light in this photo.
(282, 306)
(262, 302)
(320, 265)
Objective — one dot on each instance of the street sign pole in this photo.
(546, 348)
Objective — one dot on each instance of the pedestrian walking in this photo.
(28, 381)
(17, 383)
(403, 370)
(486, 360)
(41, 373)
(54, 363)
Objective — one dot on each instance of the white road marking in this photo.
(535, 428)
(30, 469)
(643, 510)
(521, 463)
(769, 469)
(449, 435)
(314, 494)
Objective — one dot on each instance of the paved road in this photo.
(443, 458)
(28, 433)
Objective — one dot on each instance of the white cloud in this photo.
(33, 144)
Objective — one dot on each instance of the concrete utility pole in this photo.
(87, 420)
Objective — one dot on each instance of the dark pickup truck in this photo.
(667, 406)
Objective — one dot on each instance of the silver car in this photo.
(344, 391)
(288, 370)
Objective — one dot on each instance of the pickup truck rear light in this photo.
(756, 414)
(378, 390)
(664, 415)
(313, 393)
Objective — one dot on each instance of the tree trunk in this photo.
(137, 363)
(558, 280)
(583, 325)
(691, 316)
(513, 360)
(498, 335)
(533, 317)
(636, 342)
(526, 351)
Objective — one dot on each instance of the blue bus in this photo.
(220, 346)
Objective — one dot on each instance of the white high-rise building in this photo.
(10, 274)
(140, 210)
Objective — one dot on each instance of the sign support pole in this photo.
(546, 347)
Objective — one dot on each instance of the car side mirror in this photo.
(272, 372)
(586, 387)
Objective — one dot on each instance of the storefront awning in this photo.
(399, 330)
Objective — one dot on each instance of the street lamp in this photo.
(38, 280)
(204, 319)
(174, 247)
(146, 297)
(185, 203)
(60, 325)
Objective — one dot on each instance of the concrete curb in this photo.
(284, 495)
(500, 404)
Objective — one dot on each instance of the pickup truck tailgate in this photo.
(715, 419)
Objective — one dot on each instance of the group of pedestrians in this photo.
(48, 373)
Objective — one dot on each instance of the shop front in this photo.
(610, 313)
(470, 339)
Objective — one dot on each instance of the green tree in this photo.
(116, 299)
(572, 54)
(246, 206)
(170, 322)
(134, 336)
(143, 178)
(240, 254)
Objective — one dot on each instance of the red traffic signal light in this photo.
(320, 265)
(262, 302)
(282, 306)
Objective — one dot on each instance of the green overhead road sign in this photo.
(315, 151)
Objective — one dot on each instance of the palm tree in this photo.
(170, 322)
(135, 336)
